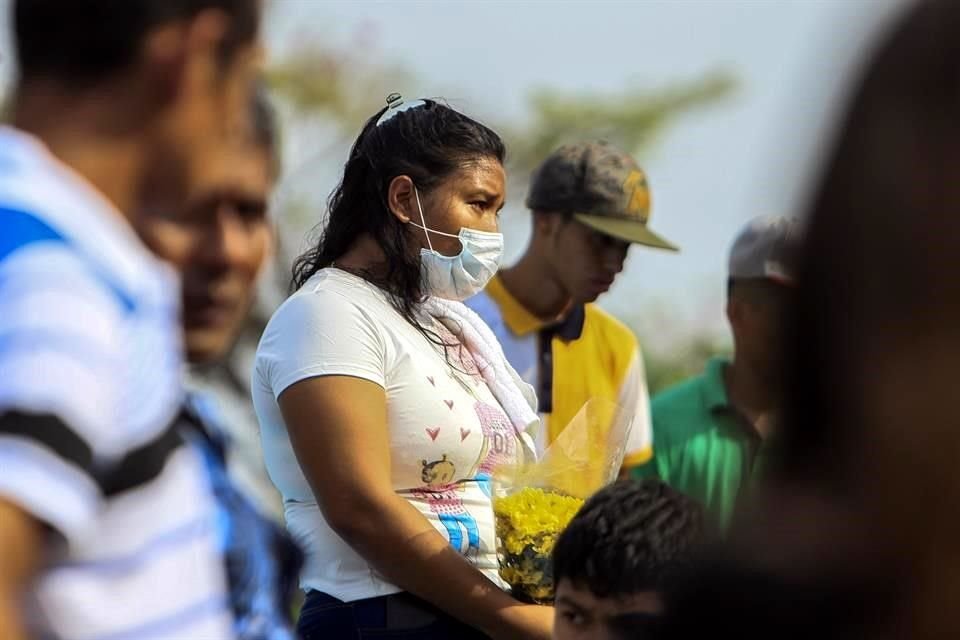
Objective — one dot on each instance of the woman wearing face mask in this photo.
(385, 404)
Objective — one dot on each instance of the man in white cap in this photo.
(711, 430)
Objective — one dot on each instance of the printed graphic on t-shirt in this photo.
(442, 496)
(441, 491)
(499, 443)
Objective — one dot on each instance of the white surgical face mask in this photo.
(461, 276)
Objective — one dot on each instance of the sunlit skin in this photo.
(470, 198)
(584, 262)
(581, 615)
(219, 243)
(567, 264)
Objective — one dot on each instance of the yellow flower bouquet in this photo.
(534, 503)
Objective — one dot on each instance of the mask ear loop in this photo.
(426, 230)
(423, 220)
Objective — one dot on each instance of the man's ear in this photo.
(170, 53)
(402, 199)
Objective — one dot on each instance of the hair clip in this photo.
(395, 105)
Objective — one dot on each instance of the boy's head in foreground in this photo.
(618, 554)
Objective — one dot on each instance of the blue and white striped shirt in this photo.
(90, 394)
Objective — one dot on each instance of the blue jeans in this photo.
(387, 617)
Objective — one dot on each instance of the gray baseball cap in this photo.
(602, 187)
(766, 249)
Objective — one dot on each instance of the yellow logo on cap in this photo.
(638, 195)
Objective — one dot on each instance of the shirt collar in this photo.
(571, 327)
(714, 387)
(521, 321)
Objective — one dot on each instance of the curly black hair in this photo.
(631, 536)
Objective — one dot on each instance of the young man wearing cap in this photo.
(590, 202)
(711, 431)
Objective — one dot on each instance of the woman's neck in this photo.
(363, 256)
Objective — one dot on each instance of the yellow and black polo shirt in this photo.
(589, 354)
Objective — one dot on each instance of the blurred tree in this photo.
(315, 81)
(335, 84)
(633, 119)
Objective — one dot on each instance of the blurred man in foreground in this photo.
(590, 202)
(712, 431)
(108, 523)
(856, 535)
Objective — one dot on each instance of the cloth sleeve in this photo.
(321, 333)
(59, 380)
(634, 397)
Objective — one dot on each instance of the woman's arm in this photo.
(338, 428)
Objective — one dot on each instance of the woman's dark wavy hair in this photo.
(427, 143)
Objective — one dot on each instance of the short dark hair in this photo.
(86, 41)
(631, 536)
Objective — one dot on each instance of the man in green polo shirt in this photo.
(712, 431)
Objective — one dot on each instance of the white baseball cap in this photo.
(766, 249)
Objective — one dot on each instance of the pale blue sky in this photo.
(752, 154)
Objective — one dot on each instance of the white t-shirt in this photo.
(447, 432)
